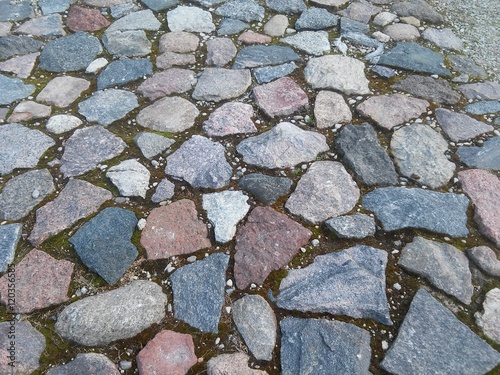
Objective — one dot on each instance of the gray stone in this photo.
(356, 226)
(123, 71)
(220, 51)
(362, 40)
(21, 147)
(266, 189)
(158, 5)
(191, 19)
(277, 25)
(402, 31)
(5, 28)
(482, 91)
(164, 191)
(445, 345)
(60, 124)
(399, 208)
(199, 292)
(418, 9)
(413, 57)
(330, 108)
(384, 18)
(270, 73)
(13, 89)
(437, 90)
(348, 25)
(225, 210)
(88, 147)
(483, 107)
(442, 264)
(316, 19)
(70, 53)
(179, 42)
(466, 65)
(217, 84)
(63, 91)
(129, 43)
(108, 106)
(54, 6)
(460, 127)
(141, 20)
(29, 110)
(489, 319)
(362, 153)
(282, 97)
(87, 363)
(15, 11)
(230, 118)
(486, 259)
(169, 59)
(115, 315)
(170, 114)
(201, 163)
(244, 10)
(152, 144)
(235, 363)
(311, 42)
(360, 11)
(443, 38)
(10, 235)
(44, 26)
(350, 282)
(284, 146)
(120, 10)
(130, 177)
(256, 323)
(485, 157)
(228, 26)
(257, 56)
(21, 66)
(168, 82)
(103, 243)
(12, 45)
(17, 198)
(286, 6)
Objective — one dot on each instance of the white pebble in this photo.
(397, 286)
(315, 242)
(229, 283)
(141, 224)
(191, 259)
(35, 194)
(385, 345)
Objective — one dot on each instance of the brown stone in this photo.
(169, 353)
(41, 281)
(84, 19)
(267, 242)
(281, 97)
(174, 230)
(171, 81)
(62, 91)
(249, 37)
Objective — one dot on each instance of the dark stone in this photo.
(383, 71)
(13, 45)
(123, 71)
(256, 56)
(10, 235)
(13, 89)
(350, 26)
(286, 6)
(270, 73)
(485, 157)
(158, 5)
(87, 363)
(465, 65)
(437, 90)
(228, 26)
(266, 189)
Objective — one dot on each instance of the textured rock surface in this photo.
(437, 90)
(108, 106)
(280, 98)
(330, 108)
(266, 189)
(483, 90)
(244, 10)
(170, 114)
(256, 56)
(13, 89)
(191, 19)
(444, 38)
(62, 91)
(489, 319)
(130, 177)
(10, 234)
(352, 226)
(220, 51)
(485, 157)
(230, 118)
(236, 363)
(120, 72)
(311, 42)
(217, 84)
(87, 363)
(460, 127)
(168, 82)
(165, 190)
(486, 259)
(152, 144)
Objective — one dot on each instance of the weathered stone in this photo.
(76, 201)
(87, 363)
(123, 71)
(311, 42)
(330, 108)
(13, 89)
(270, 73)
(54, 6)
(174, 230)
(256, 56)
(169, 114)
(178, 42)
(169, 59)
(266, 189)
(483, 107)
(399, 208)
(115, 315)
(43, 26)
(466, 65)
(168, 82)
(401, 31)
(418, 9)
(10, 234)
(356, 226)
(128, 43)
(286, 6)
(29, 110)
(384, 18)
(483, 91)
(164, 191)
(250, 37)
(362, 153)
(158, 5)
(485, 157)
(16, 11)
(316, 19)
(285, 145)
(330, 3)
(281, 97)
(191, 19)
(460, 127)
(108, 106)
(235, 363)
(486, 259)
(489, 319)
(217, 84)
(97, 65)
(21, 66)
(244, 10)
(229, 26)
(437, 90)
(85, 19)
(230, 118)
(63, 91)
(361, 11)
(199, 292)
(349, 26)
(277, 25)
(267, 242)
(130, 177)
(443, 38)
(141, 20)
(12, 45)
(220, 51)
(152, 144)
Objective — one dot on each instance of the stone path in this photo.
(246, 187)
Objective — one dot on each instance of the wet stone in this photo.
(179, 42)
(63, 91)
(316, 19)
(60, 124)
(115, 315)
(174, 230)
(21, 147)
(485, 157)
(313, 346)
(285, 145)
(311, 42)
(13, 89)
(286, 6)
(445, 344)
(85, 19)
(257, 56)
(169, 59)
(86, 363)
(460, 127)
(231, 364)
(18, 195)
(362, 153)
(164, 191)
(330, 108)
(270, 73)
(443, 38)
(44, 26)
(483, 91)
(244, 10)
(191, 19)
(220, 51)
(217, 84)
(54, 6)
(466, 65)
(158, 5)
(103, 243)
(268, 238)
(281, 97)
(129, 43)
(399, 208)
(130, 177)
(141, 20)
(10, 234)
(16, 11)
(152, 144)
(266, 189)
(277, 25)
(123, 71)
(108, 106)
(489, 319)
(230, 118)
(356, 226)
(170, 114)
(199, 292)
(483, 107)
(21, 66)
(29, 110)
(12, 45)
(418, 9)
(486, 259)
(229, 26)
(167, 82)
(437, 90)
(42, 281)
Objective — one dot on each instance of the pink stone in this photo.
(169, 59)
(169, 353)
(249, 37)
(281, 97)
(230, 118)
(171, 81)
(29, 110)
(20, 65)
(174, 230)
(84, 19)
(483, 188)
(40, 281)
(178, 42)
(267, 242)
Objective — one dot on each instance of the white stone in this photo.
(130, 177)
(96, 65)
(59, 124)
(489, 319)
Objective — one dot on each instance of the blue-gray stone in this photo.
(54, 6)
(103, 243)
(123, 71)
(465, 65)
(228, 26)
(362, 39)
(12, 45)
(485, 157)
(13, 89)
(199, 292)
(158, 5)
(419, 9)
(10, 235)
(257, 56)
(383, 71)
(323, 347)
(412, 56)
(270, 73)
(432, 340)
(350, 282)
(287, 6)
(129, 43)
(316, 19)
(267, 189)
(244, 10)
(483, 108)
(400, 208)
(15, 10)
(350, 26)
(105, 107)
(352, 226)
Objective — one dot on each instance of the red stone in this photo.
(267, 242)
(169, 353)
(254, 38)
(84, 19)
(174, 230)
(281, 97)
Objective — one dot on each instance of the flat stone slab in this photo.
(44, 26)
(15, 11)
(284, 146)
(54, 6)
(231, 364)
(286, 6)
(257, 56)
(220, 51)
(41, 281)
(485, 157)
(158, 5)
(266, 189)
(170, 114)
(418, 9)
(281, 97)
(21, 147)
(267, 74)
(127, 43)
(481, 91)
(169, 59)
(13, 89)
(62, 91)
(401, 31)
(10, 234)
(152, 144)
(178, 42)
(249, 37)
(130, 177)
(356, 226)
(437, 90)
(446, 345)
(164, 191)
(465, 65)
(400, 208)
(21, 66)
(266, 242)
(108, 106)
(85, 19)
(12, 45)
(330, 108)
(115, 315)
(316, 19)
(23, 192)
(201, 163)
(483, 107)
(486, 259)
(103, 243)
(199, 292)
(123, 71)
(87, 363)
(140, 20)
(230, 26)
(88, 147)
(29, 110)
(325, 190)
(362, 152)
(443, 38)
(483, 188)
(217, 84)
(230, 118)
(277, 25)
(168, 82)
(489, 319)
(174, 230)
(460, 127)
(313, 346)
(76, 201)
(244, 10)
(191, 19)
(311, 42)
(350, 282)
